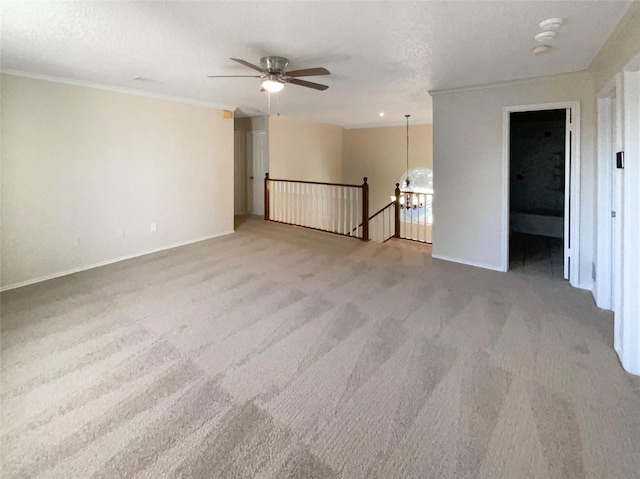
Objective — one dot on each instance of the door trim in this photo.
(603, 287)
(574, 181)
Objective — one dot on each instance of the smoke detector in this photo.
(544, 37)
(551, 24)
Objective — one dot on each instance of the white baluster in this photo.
(278, 206)
(309, 206)
(290, 203)
(310, 210)
(299, 200)
(351, 212)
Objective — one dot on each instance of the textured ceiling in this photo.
(383, 56)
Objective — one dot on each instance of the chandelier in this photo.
(408, 199)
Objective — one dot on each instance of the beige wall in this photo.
(619, 49)
(468, 174)
(304, 150)
(252, 123)
(381, 155)
(86, 171)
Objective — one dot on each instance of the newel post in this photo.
(397, 208)
(365, 210)
(267, 186)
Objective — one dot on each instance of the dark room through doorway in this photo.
(538, 200)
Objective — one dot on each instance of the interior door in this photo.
(260, 166)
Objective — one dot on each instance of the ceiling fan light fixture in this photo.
(272, 86)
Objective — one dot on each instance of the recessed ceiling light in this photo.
(551, 24)
(381, 113)
(540, 49)
(547, 36)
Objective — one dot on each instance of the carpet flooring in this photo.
(279, 352)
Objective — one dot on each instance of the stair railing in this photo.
(332, 207)
(412, 220)
(381, 224)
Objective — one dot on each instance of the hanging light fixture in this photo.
(408, 199)
(407, 181)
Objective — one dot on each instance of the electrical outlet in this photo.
(152, 228)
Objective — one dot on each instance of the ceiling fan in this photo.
(274, 75)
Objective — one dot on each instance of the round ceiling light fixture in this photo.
(551, 24)
(544, 37)
(272, 85)
(540, 49)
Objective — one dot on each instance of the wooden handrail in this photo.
(316, 183)
(414, 192)
(373, 215)
(380, 211)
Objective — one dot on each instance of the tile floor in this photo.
(536, 255)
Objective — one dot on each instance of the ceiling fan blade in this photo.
(309, 72)
(247, 64)
(309, 84)
(234, 76)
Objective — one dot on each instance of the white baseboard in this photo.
(110, 261)
(588, 287)
(468, 263)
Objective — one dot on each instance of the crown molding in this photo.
(115, 89)
(502, 84)
(385, 124)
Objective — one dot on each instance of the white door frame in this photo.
(607, 100)
(574, 181)
(630, 336)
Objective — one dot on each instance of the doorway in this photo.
(541, 218)
(537, 192)
(257, 167)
